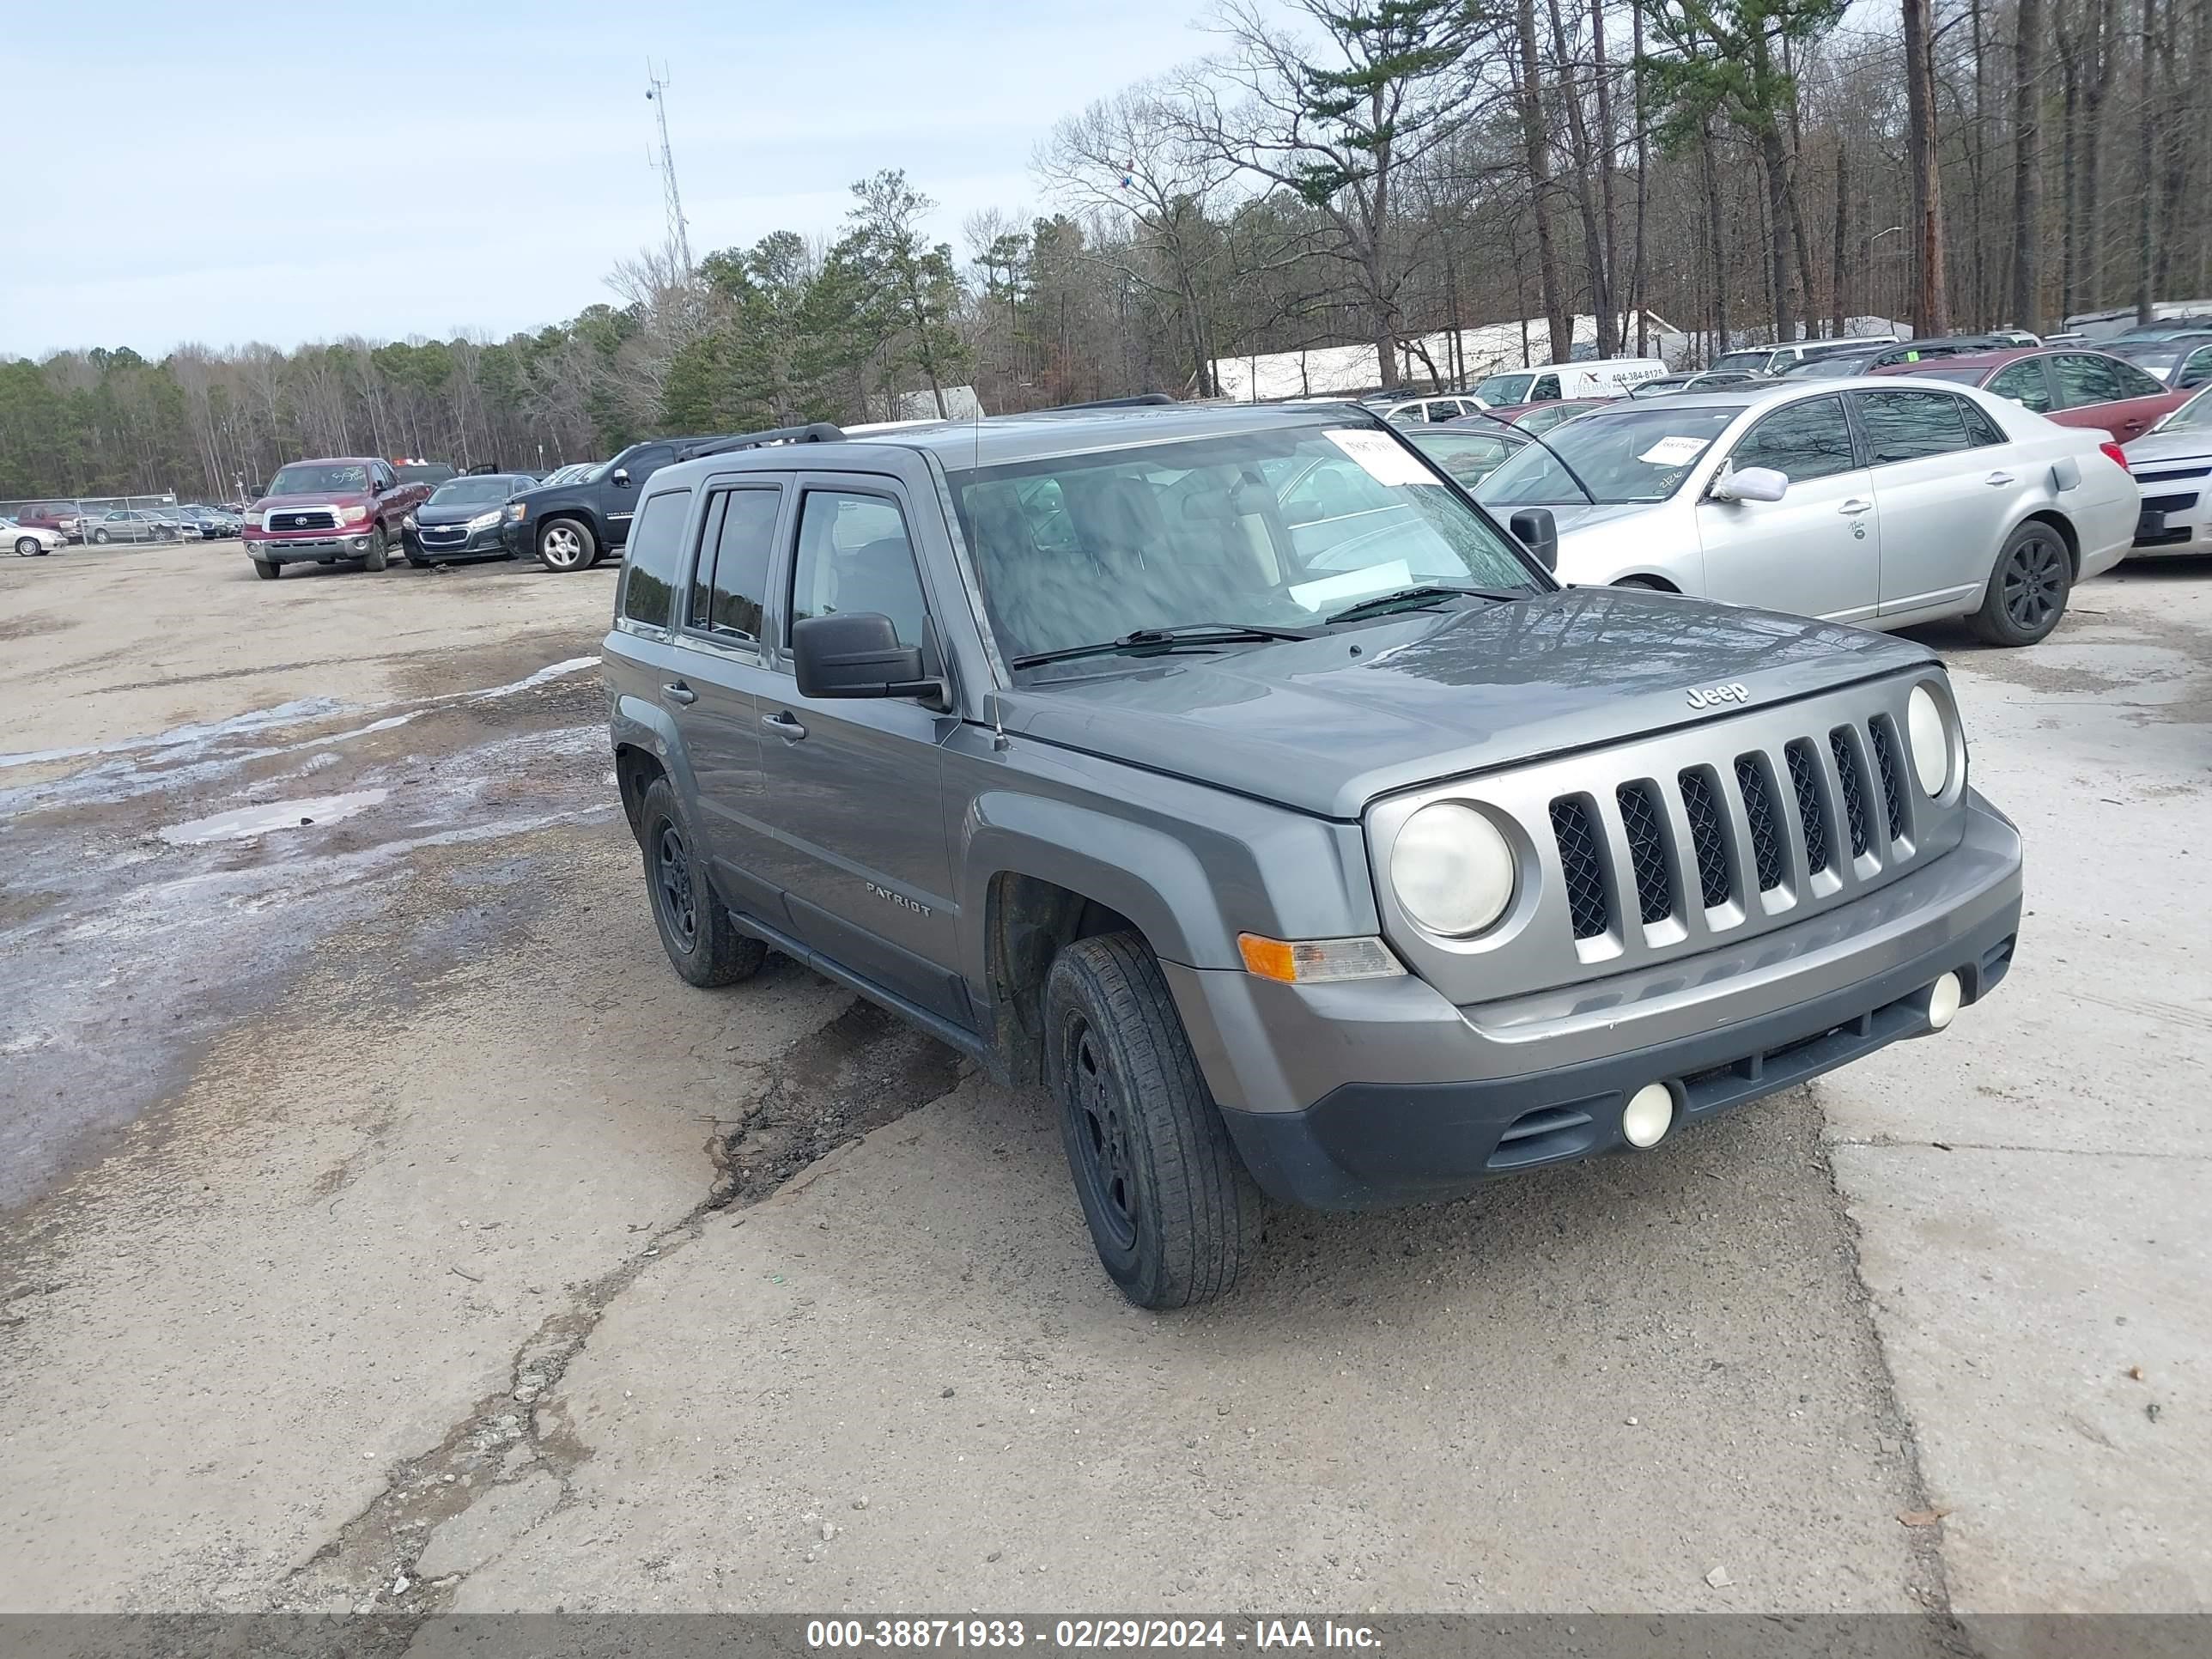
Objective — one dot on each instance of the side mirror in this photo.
(856, 654)
(619, 478)
(1752, 483)
(1539, 532)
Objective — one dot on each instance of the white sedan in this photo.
(2173, 464)
(1880, 501)
(30, 541)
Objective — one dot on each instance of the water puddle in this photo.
(247, 823)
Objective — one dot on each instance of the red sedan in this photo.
(2072, 387)
(1534, 417)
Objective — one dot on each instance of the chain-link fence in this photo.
(123, 517)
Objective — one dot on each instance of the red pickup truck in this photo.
(321, 512)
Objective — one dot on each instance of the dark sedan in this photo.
(2183, 362)
(461, 520)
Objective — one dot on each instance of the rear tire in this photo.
(1171, 1209)
(378, 555)
(1644, 583)
(567, 545)
(2028, 587)
(703, 946)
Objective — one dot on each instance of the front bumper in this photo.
(327, 549)
(1379, 1091)
(423, 542)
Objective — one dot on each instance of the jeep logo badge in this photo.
(1713, 696)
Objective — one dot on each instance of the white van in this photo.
(1781, 359)
(1601, 377)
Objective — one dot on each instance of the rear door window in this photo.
(1909, 426)
(729, 584)
(2084, 379)
(656, 548)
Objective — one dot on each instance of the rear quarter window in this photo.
(656, 543)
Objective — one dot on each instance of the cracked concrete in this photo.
(476, 1263)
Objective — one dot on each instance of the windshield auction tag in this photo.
(1381, 457)
(1673, 451)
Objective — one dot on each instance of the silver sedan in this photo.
(2173, 464)
(1883, 501)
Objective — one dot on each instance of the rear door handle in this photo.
(785, 725)
(679, 692)
(1856, 504)
(1998, 478)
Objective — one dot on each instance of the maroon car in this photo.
(1536, 417)
(2069, 385)
(349, 507)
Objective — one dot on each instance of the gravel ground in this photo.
(382, 1212)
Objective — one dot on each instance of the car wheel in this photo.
(704, 945)
(2027, 589)
(1645, 583)
(378, 552)
(100, 538)
(1171, 1207)
(29, 547)
(266, 571)
(565, 544)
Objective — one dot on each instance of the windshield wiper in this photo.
(1426, 594)
(1150, 640)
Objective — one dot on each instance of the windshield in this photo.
(1752, 362)
(2195, 415)
(1622, 455)
(1500, 390)
(320, 477)
(1281, 528)
(464, 492)
(2155, 355)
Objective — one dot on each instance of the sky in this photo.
(223, 172)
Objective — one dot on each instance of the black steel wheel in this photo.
(1171, 1209)
(2028, 588)
(704, 945)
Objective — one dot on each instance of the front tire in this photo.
(378, 554)
(100, 538)
(567, 544)
(266, 571)
(1171, 1209)
(703, 946)
(2028, 588)
(29, 547)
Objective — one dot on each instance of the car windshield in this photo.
(1621, 455)
(1277, 528)
(2155, 355)
(1752, 362)
(2195, 415)
(464, 492)
(317, 477)
(1500, 390)
(594, 475)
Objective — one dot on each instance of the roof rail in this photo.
(816, 432)
(1140, 400)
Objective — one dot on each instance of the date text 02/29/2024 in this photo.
(1085, 1634)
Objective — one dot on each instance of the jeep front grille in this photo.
(1661, 861)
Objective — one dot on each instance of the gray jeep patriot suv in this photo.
(1230, 773)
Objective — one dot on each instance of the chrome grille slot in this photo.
(1642, 817)
(1752, 781)
(1579, 863)
(1811, 811)
(1853, 788)
(1708, 838)
(1892, 778)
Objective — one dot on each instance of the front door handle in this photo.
(784, 724)
(679, 692)
(1856, 504)
(1998, 478)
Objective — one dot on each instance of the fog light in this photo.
(1943, 998)
(361, 543)
(1649, 1114)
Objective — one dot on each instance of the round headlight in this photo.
(1452, 870)
(1930, 740)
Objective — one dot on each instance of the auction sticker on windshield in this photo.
(1382, 457)
(1673, 451)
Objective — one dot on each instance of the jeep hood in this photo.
(1439, 694)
